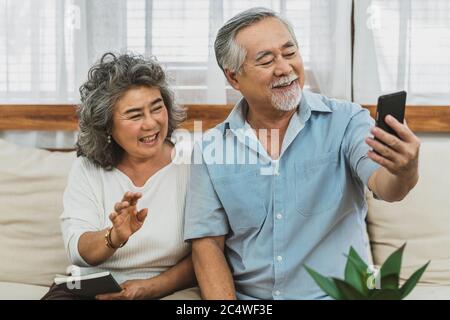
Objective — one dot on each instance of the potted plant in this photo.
(361, 283)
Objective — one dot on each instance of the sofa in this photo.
(32, 182)
(421, 220)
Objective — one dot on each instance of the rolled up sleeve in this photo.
(204, 214)
(355, 147)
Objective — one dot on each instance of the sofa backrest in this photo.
(32, 182)
(422, 219)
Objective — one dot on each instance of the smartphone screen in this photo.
(393, 104)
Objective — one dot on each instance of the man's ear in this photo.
(231, 77)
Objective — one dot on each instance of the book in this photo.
(89, 285)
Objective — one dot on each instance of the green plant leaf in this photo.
(327, 285)
(357, 261)
(390, 267)
(356, 272)
(348, 291)
(385, 294)
(390, 282)
(354, 287)
(412, 281)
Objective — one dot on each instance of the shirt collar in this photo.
(310, 102)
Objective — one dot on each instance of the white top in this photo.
(89, 198)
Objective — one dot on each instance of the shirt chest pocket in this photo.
(243, 198)
(318, 187)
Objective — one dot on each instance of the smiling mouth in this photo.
(284, 85)
(149, 139)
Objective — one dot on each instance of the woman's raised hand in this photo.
(126, 219)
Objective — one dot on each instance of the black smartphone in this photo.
(393, 104)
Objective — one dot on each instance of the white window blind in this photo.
(28, 51)
(403, 45)
(3, 47)
(429, 46)
(47, 47)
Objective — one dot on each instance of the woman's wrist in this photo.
(113, 240)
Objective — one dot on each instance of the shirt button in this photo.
(279, 216)
(277, 293)
(279, 258)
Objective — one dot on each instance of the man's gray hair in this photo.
(107, 81)
(229, 54)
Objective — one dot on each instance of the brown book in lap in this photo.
(89, 285)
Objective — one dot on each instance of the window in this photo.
(48, 46)
(410, 50)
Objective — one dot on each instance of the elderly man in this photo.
(255, 225)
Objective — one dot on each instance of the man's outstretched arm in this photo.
(399, 159)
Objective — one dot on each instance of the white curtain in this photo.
(323, 29)
(402, 45)
(47, 46)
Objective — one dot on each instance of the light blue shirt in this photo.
(306, 208)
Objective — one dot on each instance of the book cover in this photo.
(89, 285)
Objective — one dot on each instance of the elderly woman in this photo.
(124, 202)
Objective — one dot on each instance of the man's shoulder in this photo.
(340, 112)
(337, 105)
(218, 132)
(211, 138)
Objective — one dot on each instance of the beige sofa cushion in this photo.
(429, 292)
(32, 182)
(20, 291)
(422, 219)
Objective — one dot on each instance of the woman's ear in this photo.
(231, 77)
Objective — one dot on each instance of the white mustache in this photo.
(284, 80)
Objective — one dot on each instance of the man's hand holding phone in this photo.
(399, 155)
(396, 148)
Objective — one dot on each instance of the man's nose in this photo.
(283, 67)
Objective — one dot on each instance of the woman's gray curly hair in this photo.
(107, 81)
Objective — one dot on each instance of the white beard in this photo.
(289, 100)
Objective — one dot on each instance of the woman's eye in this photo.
(290, 54)
(136, 116)
(157, 109)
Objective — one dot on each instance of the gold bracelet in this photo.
(108, 240)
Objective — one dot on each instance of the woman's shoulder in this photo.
(82, 163)
(88, 176)
(84, 168)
